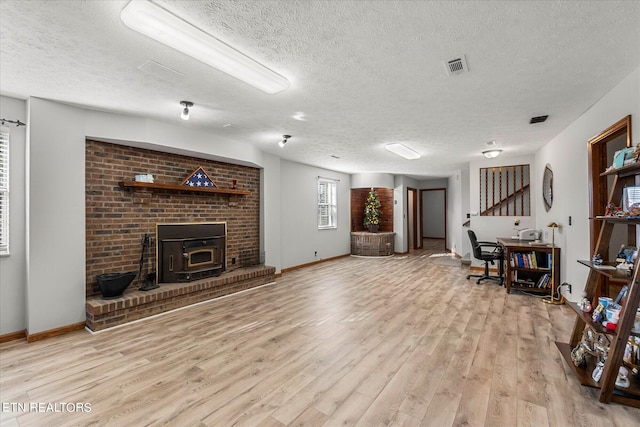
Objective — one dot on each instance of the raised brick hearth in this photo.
(134, 304)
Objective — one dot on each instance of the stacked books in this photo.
(542, 283)
(528, 260)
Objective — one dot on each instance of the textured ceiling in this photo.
(364, 73)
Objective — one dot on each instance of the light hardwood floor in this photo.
(405, 340)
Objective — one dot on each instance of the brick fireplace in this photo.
(118, 218)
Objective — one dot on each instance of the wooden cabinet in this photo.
(527, 266)
(618, 339)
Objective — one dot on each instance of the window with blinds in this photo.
(4, 190)
(327, 204)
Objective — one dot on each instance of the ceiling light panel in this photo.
(402, 151)
(165, 27)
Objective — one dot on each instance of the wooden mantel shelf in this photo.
(177, 187)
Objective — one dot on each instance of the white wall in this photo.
(433, 183)
(567, 156)
(370, 180)
(55, 261)
(55, 216)
(400, 224)
(455, 216)
(464, 248)
(13, 267)
(271, 211)
(488, 228)
(301, 238)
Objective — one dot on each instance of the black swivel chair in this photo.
(489, 253)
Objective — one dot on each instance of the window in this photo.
(4, 190)
(327, 203)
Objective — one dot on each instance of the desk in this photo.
(527, 266)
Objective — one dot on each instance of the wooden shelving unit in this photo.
(625, 171)
(609, 392)
(516, 274)
(175, 187)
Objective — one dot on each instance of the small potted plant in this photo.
(372, 212)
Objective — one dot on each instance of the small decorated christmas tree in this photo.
(372, 211)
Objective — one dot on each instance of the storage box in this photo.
(623, 157)
(144, 178)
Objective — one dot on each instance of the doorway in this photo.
(601, 151)
(434, 217)
(413, 226)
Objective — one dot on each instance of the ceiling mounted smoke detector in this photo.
(457, 65)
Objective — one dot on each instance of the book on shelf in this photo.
(520, 260)
(525, 283)
(543, 281)
(525, 260)
(534, 261)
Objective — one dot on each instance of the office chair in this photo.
(489, 253)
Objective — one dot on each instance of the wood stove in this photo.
(190, 251)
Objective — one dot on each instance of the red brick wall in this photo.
(118, 218)
(358, 201)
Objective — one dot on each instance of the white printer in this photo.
(529, 234)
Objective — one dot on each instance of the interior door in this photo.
(413, 228)
(434, 214)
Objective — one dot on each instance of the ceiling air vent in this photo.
(456, 66)
(538, 119)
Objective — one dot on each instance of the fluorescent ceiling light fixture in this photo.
(165, 27)
(402, 151)
(491, 154)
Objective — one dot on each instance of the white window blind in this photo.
(327, 203)
(4, 190)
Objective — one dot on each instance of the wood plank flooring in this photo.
(401, 341)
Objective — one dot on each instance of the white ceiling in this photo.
(364, 73)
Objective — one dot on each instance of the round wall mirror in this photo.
(547, 187)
